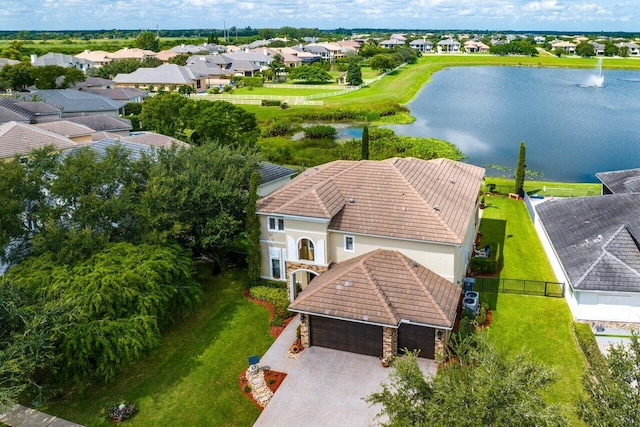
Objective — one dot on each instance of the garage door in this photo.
(417, 337)
(346, 336)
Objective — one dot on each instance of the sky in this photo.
(493, 15)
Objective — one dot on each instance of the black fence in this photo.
(519, 286)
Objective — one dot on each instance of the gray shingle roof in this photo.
(382, 287)
(60, 59)
(408, 198)
(595, 239)
(271, 172)
(103, 122)
(624, 181)
(40, 108)
(100, 147)
(118, 93)
(77, 101)
(10, 110)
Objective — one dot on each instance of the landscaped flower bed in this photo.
(121, 412)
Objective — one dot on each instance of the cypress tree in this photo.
(365, 143)
(520, 170)
(253, 232)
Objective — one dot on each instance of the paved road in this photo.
(22, 416)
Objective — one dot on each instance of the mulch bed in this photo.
(272, 378)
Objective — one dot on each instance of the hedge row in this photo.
(320, 132)
(276, 296)
(481, 265)
(587, 342)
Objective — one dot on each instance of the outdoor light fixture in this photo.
(439, 334)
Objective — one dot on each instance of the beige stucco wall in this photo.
(436, 257)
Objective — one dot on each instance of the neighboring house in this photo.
(104, 123)
(132, 53)
(633, 48)
(7, 61)
(620, 182)
(136, 150)
(595, 243)
(448, 46)
(61, 60)
(272, 177)
(42, 112)
(319, 51)
(568, 47)
(124, 94)
(150, 139)
(20, 139)
(11, 111)
(598, 48)
(189, 49)
(391, 43)
(94, 82)
(378, 304)
(78, 103)
(166, 55)
(301, 57)
(165, 77)
(422, 45)
(290, 60)
(335, 50)
(471, 46)
(97, 57)
(76, 132)
(330, 214)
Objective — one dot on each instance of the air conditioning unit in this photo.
(471, 304)
(472, 294)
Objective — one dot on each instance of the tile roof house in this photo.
(391, 43)
(76, 132)
(97, 57)
(104, 123)
(595, 245)
(132, 53)
(448, 46)
(19, 139)
(7, 61)
(330, 214)
(11, 111)
(124, 94)
(272, 177)
(150, 139)
(61, 60)
(164, 77)
(422, 45)
(76, 103)
(619, 182)
(378, 304)
(42, 112)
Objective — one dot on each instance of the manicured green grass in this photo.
(543, 188)
(506, 222)
(277, 91)
(192, 378)
(542, 325)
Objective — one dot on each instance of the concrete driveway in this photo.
(323, 387)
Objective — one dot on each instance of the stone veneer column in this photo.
(440, 343)
(304, 331)
(389, 342)
(291, 266)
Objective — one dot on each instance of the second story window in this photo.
(349, 243)
(306, 250)
(275, 224)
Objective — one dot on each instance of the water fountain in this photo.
(596, 79)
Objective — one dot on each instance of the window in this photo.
(275, 224)
(349, 243)
(306, 250)
(275, 268)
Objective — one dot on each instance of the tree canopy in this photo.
(309, 73)
(147, 40)
(484, 387)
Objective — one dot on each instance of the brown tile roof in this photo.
(20, 139)
(408, 198)
(382, 287)
(66, 128)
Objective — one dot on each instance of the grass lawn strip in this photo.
(541, 325)
(192, 379)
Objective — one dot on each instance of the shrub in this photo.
(253, 81)
(276, 296)
(227, 88)
(481, 265)
(277, 128)
(214, 90)
(587, 342)
(271, 103)
(481, 318)
(121, 412)
(320, 132)
(247, 388)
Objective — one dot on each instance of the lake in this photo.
(571, 131)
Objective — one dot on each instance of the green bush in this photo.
(320, 132)
(133, 108)
(481, 318)
(277, 128)
(271, 103)
(227, 88)
(481, 265)
(587, 342)
(253, 81)
(214, 90)
(276, 296)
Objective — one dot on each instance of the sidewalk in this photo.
(21, 416)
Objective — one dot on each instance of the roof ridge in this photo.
(404, 259)
(600, 257)
(382, 296)
(392, 163)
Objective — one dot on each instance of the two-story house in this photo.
(426, 211)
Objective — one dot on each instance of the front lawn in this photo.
(192, 378)
(540, 324)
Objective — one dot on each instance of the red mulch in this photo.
(273, 379)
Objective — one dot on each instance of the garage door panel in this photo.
(415, 337)
(346, 336)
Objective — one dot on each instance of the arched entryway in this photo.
(298, 281)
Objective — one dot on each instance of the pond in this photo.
(572, 128)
